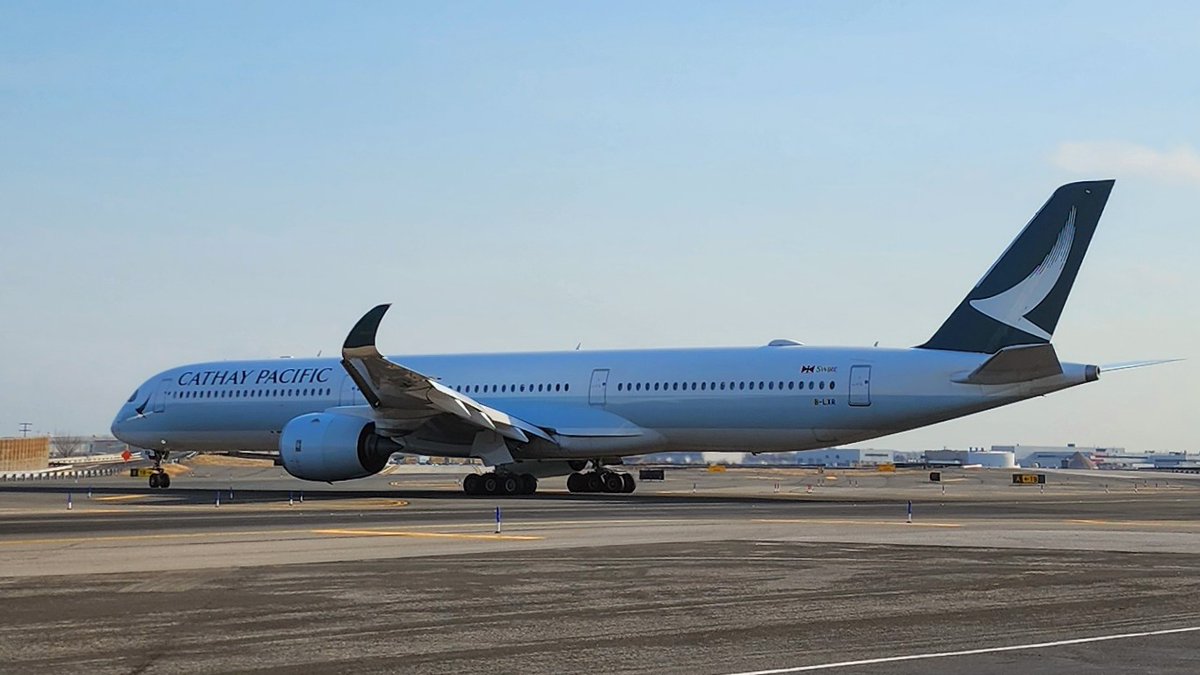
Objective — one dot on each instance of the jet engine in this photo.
(329, 446)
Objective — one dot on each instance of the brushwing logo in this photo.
(1011, 306)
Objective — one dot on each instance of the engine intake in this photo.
(329, 447)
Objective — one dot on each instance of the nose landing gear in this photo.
(160, 478)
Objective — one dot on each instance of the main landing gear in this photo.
(160, 478)
(601, 480)
(506, 484)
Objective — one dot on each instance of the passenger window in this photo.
(567, 387)
(741, 385)
(822, 384)
(722, 386)
(771, 386)
(831, 385)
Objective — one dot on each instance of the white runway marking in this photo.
(969, 652)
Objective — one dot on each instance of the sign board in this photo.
(1029, 478)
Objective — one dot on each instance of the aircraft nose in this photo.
(116, 428)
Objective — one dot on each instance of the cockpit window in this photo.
(132, 396)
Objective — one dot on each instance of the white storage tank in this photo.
(992, 459)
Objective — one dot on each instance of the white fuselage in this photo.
(757, 399)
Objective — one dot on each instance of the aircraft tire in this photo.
(164, 481)
(575, 483)
(592, 482)
(529, 484)
(612, 482)
(509, 485)
(630, 484)
(472, 484)
(154, 481)
(490, 484)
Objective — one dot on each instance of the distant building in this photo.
(992, 459)
(24, 454)
(845, 457)
(1057, 456)
(682, 458)
(106, 446)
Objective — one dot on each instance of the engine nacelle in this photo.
(328, 447)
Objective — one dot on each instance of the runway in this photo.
(750, 572)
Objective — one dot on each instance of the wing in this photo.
(404, 399)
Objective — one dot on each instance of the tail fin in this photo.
(1018, 301)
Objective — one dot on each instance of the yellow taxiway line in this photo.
(799, 521)
(430, 535)
(236, 536)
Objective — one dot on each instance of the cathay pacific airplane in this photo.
(534, 415)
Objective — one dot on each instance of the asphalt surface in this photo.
(751, 572)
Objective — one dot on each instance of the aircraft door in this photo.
(159, 402)
(860, 385)
(598, 392)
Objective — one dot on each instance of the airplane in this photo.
(577, 413)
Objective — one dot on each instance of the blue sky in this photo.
(194, 181)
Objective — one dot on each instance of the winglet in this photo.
(363, 333)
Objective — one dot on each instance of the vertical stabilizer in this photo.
(1019, 300)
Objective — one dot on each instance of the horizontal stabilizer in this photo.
(1016, 364)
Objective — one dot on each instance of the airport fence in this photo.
(57, 475)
